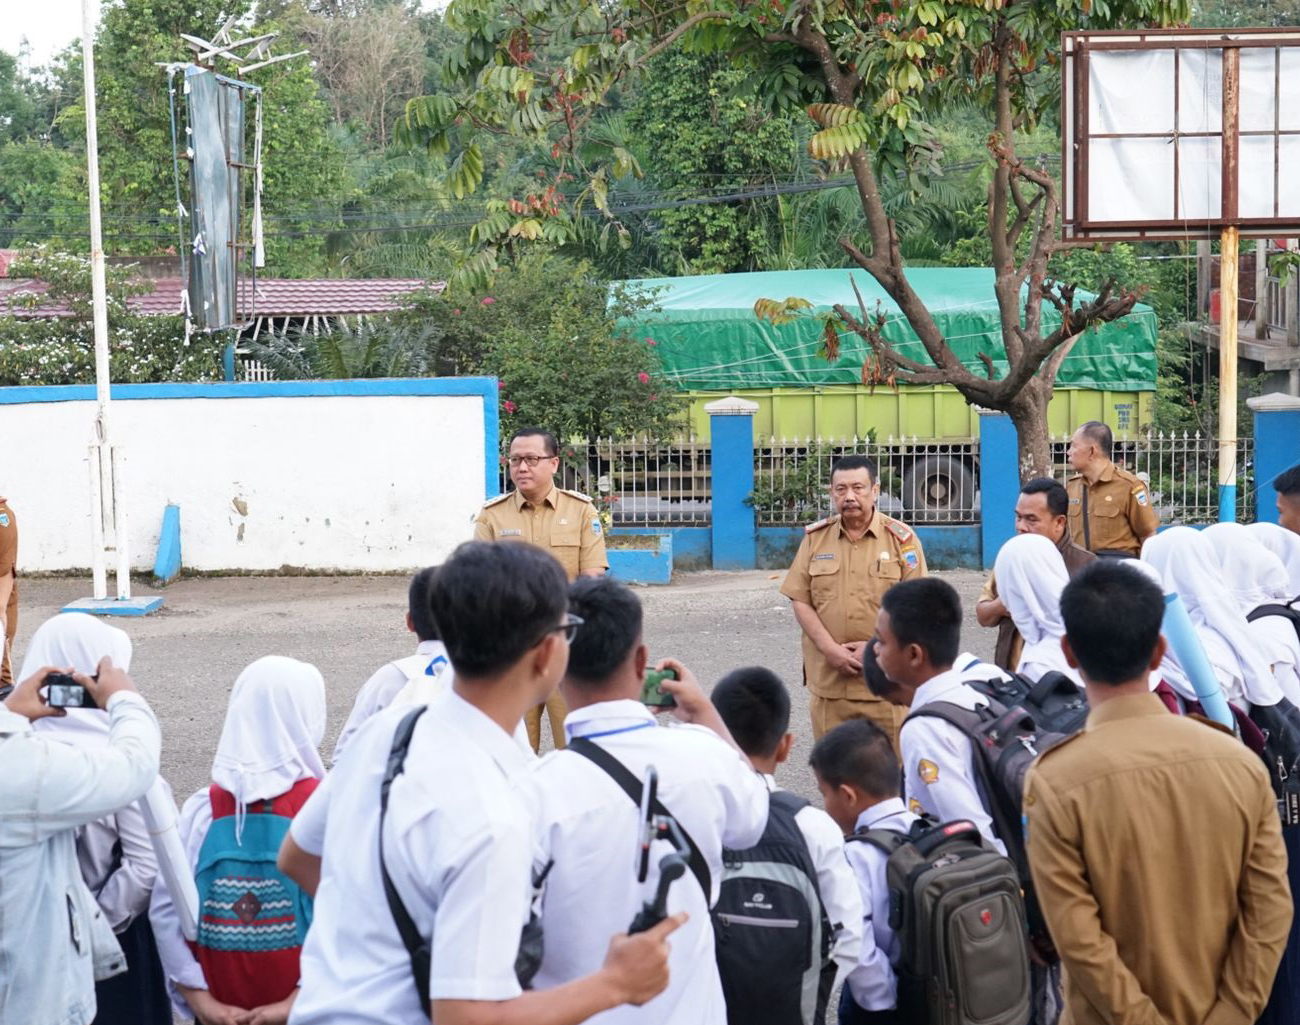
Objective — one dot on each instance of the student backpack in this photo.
(955, 906)
(1286, 610)
(252, 918)
(772, 935)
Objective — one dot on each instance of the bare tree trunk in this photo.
(1028, 411)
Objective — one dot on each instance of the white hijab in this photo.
(79, 641)
(1189, 568)
(274, 725)
(1255, 574)
(1170, 671)
(1030, 576)
(1286, 546)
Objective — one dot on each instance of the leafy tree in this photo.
(871, 75)
(373, 348)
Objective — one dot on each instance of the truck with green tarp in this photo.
(711, 344)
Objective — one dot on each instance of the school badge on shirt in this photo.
(909, 557)
(928, 771)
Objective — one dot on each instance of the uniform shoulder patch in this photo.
(928, 771)
(903, 533)
(497, 501)
(576, 494)
(812, 528)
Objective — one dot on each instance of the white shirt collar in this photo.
(607, 717)
(430, 648)
(934, 688)
(479, 729)
(771, 783)
(879, 812)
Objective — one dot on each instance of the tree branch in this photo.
(681, 30)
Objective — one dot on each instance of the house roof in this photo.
(273, 297)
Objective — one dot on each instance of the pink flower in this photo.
(510, 406)
(455, 313)
(643, 377)
(487, 300)
(653, 398)
(651, 341)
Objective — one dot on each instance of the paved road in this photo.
(188, 655)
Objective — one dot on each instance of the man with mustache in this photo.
(844, 566)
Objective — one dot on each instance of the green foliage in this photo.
(61, 349)
(375, 348)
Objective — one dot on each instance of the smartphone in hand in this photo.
(652, 691)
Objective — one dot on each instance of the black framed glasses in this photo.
(569, 626)
(530, 461)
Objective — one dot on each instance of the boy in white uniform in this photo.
(857, 775)
(589, 826)
(456, 838)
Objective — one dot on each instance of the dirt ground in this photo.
(188, 654)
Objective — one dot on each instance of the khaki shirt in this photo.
(844, 580)
(1006, 653)
(564, 523)
(1157, 856)
(8, 561)
(1120, 515)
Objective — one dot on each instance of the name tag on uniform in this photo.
(824, 555)
(885, 556)
(564, 523)
(512, 532)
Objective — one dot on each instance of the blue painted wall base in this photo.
(167, 564)
(643, 565)
(692, 546)
(999, 485)
(1227, 503)
(116, 606)
(1277, 447)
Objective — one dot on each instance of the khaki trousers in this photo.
(827, 713)
(556, 710)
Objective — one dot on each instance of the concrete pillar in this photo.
(999, 482)
(731, 431)
(1277, 447)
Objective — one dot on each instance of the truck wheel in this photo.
(938, 489)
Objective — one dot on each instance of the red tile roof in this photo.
(274, 297)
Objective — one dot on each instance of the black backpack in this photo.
(1287, 611)
(772, 935)
(1006, 739)
(955, 905)
(1280, 725)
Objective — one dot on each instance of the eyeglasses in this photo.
(569, 626)
(529, 461)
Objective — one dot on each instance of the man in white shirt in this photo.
(755, 705)
(430, 659)
(589, 826)
(456, 839)
(54, 940)
(857, 775)
(918, 634)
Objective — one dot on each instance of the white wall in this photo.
(347, 482)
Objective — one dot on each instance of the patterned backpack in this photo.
(252, 917)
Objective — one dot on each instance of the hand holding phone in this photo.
(652, 691)
(63, 691)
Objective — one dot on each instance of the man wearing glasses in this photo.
(844, 566)
(563, 523)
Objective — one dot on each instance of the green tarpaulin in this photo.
(710, 339)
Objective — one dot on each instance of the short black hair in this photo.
(417, 604)
(549, 441)
(859, 753)
(1058, 501)
(1288, 482)
(491, 603)
(926, 611)
(856, 463)
(755, 705)
(611, 629)
(877, 682)
(1112, 616)
(1100, 435)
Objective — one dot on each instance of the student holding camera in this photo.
(55, 942)
(588, 822)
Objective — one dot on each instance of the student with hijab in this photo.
(1257, 577)
(267, 760)
(115, 853)
(1286, 546)
(1031, 576)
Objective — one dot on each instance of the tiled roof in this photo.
(274, 297)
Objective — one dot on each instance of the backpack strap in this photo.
(884, 840)
(1272, 609)
(790, 803)
(624, 777)
(1051, 681)
(417, 947)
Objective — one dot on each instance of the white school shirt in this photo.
(873, 980)
(457, 846)
(938, 759)
(589, 827)
(377, 693)
(835, 882)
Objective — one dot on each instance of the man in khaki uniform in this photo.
(561, 522)
(8, 591)
(844, 566)
(1041, 509)
(1153, 839)
(1110, 508)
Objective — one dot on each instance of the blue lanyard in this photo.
(621, 729)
